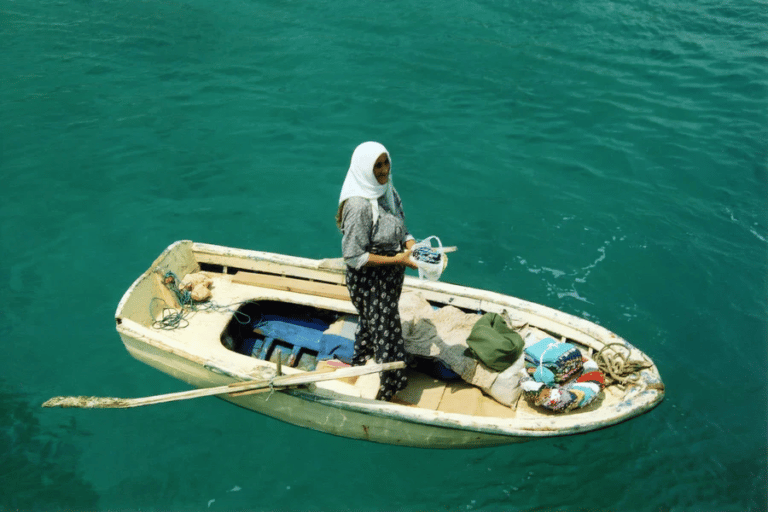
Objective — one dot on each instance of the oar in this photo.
(284, 381)
(338, 263)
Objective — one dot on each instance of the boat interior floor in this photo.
(423, 391)
(426, 392)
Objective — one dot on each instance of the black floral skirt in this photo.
(375, 293)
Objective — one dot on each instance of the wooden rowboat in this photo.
(199, 347)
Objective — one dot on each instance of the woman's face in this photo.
(381, 169)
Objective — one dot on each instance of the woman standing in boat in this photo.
(376, 247)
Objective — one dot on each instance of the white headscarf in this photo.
(361, 182)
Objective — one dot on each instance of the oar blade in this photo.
(88, 402)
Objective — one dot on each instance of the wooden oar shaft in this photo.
(95, 402)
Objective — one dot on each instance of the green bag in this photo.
(494, 343)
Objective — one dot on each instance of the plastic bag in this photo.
(430, 260)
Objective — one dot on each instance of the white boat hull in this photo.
(198, 358)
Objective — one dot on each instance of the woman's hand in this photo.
(401, 258)
(404, 258)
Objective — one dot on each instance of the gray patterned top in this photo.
(361, 238)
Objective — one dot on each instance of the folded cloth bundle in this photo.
(578, 393)
(552, 362)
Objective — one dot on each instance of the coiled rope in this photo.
(616, 364)
(175, 318)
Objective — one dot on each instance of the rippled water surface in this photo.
(605, 158)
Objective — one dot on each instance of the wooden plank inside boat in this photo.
(422, 391)
(289, 284)
(462, 398)
(270, 267)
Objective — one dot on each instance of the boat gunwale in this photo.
(454, 420)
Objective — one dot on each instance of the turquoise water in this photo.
(606, 158)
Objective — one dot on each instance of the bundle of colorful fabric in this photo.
(426, 254)
(552, 362)
(558, 377)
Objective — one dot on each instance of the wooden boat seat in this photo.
(292, 284)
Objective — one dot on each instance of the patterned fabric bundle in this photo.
(426, 254)
(578, 392)
(552, 362)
